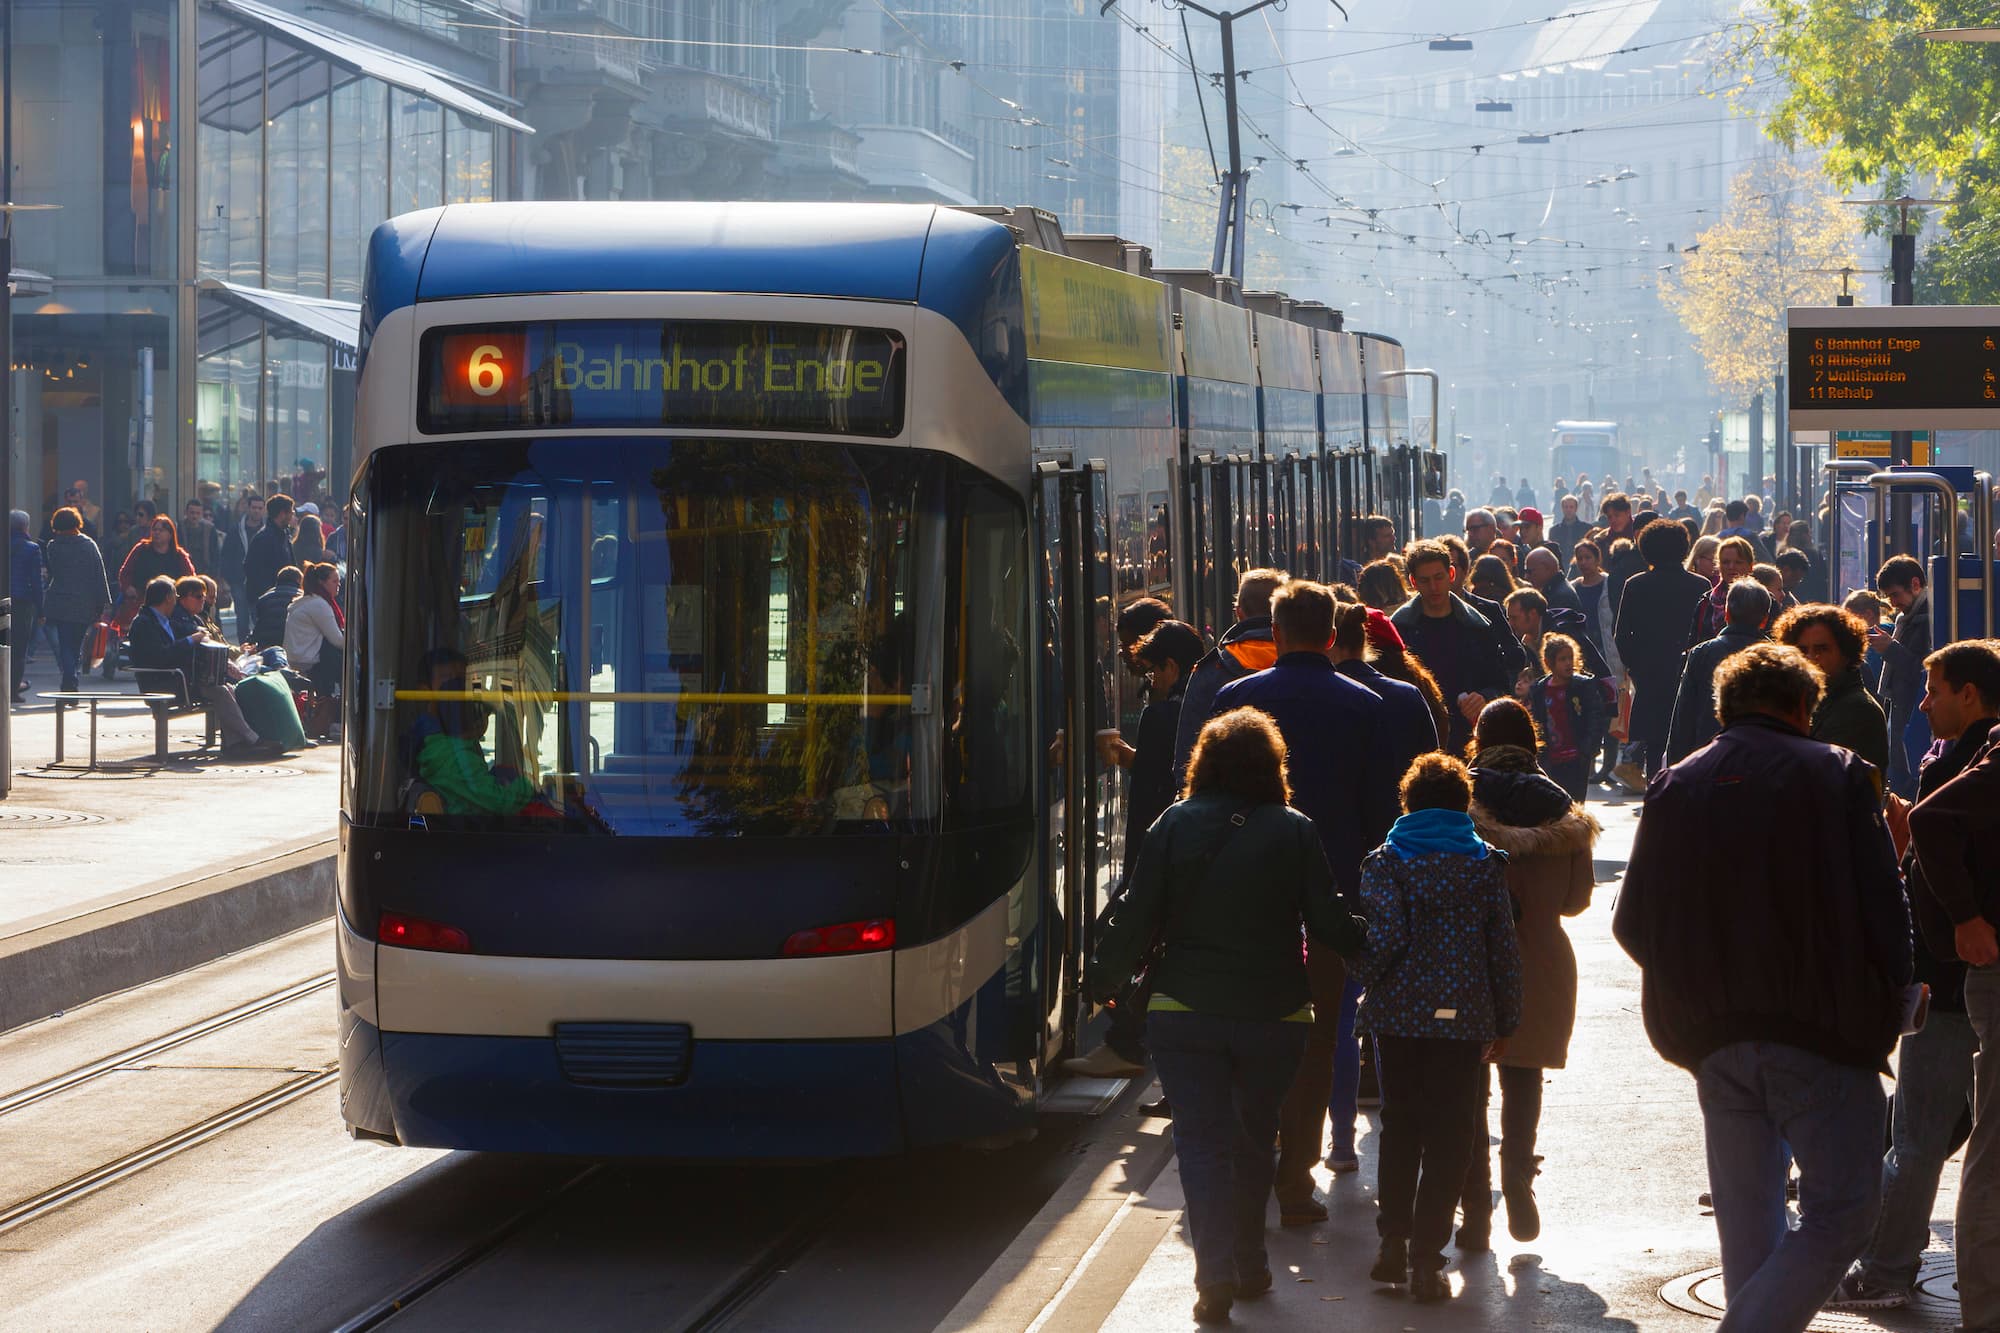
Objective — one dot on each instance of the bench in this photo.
(174, 682)
(159, 703)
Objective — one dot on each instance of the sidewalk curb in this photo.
(1032, 1281)
(81, 958)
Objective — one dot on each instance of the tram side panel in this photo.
(1217, 407)
(1343, 391)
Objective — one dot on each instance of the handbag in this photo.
(211, 663)
(98, 645)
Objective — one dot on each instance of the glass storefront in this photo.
(338, 152)
(292, 156)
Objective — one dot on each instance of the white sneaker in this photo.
(1102, 1063)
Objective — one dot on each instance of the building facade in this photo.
(190, 327)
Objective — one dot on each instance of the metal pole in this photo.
(7, 393)
(1898, 529)
(1231, 223)
(1886, 484)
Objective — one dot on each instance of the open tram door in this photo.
(1212, 544)
(1081, 797)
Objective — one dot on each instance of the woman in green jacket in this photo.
(1225, 881)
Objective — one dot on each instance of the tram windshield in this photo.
(686, 637)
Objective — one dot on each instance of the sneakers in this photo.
(1517, 1186)
(1102, 1063)
(1341, 1163)
(1856, 1292)
(1392, 1262)
(1631, 775)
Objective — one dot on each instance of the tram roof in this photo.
(921, 254)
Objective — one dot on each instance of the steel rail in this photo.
(28, 1096)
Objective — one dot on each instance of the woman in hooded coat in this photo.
(1548, 840)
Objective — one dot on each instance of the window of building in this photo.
(416, 156)
(297, 97)
(360, 162)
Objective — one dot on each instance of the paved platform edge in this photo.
(1052, 1261)
(86, 957)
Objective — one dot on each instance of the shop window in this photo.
(296, 103)
(361, 165)
(416, 152)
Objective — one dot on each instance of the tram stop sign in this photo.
(1893, 368)
(1876, 444)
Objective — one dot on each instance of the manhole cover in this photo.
(1933, 1307)
(13, 815)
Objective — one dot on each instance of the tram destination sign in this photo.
(645, 374)
(1856, 368)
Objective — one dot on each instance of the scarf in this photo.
(338, 618)
(1431, 832)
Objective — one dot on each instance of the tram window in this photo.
(678, 637)
(1159, 548)
(1128, 539)
(986, 770)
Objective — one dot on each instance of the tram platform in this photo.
(1625, 1246)
(117, 875)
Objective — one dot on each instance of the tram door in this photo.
(1082, 805)
(1246, 543)
(1284, 541)
(1214, 538)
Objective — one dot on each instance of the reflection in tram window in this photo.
(709, 637)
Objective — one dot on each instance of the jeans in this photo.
(1302, 1119)
(1572, 775)
(1757, 1098)
(1343, 1105)
(1430, 1092)
(1226, 1078)
(69, 647)
(1933, 1084)
(1979, 1185)
(1520, 1122)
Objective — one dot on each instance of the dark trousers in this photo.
(324, 675)
(1572, 775)
(1520, 1119)
(69, 648)
(26, 613)
(1226, 1078)
(1653, 716)
(1430, 1094)
(1302, 1122)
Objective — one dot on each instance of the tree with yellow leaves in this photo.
(1731, 288)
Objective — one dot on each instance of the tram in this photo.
(1586, 449)
(731, 640)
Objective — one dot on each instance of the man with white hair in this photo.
(1481, 530)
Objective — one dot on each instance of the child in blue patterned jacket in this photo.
(1443, 978)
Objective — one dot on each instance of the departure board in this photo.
(1894, 368)
(645, 374)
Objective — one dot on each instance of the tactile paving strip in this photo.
(1933, 1309)
(249, 770)
(19, 815)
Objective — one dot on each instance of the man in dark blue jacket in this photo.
(1244, 648)
(1694, 725)
(1775, 969)
(1340, 758)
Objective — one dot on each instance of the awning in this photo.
(335, 323)
(374, 61)
(27, 282)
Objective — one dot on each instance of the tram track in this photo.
(172, 1145)
(717, 1309)
(145, 1050)
(127, 1164)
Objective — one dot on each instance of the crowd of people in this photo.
(1365, 820)
(270, 565)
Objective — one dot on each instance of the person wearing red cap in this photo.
(1528, 532)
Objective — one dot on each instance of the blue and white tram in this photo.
(730, 651)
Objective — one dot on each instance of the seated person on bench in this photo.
(452, 760)
(154, 646)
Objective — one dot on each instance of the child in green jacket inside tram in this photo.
(452, 759)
